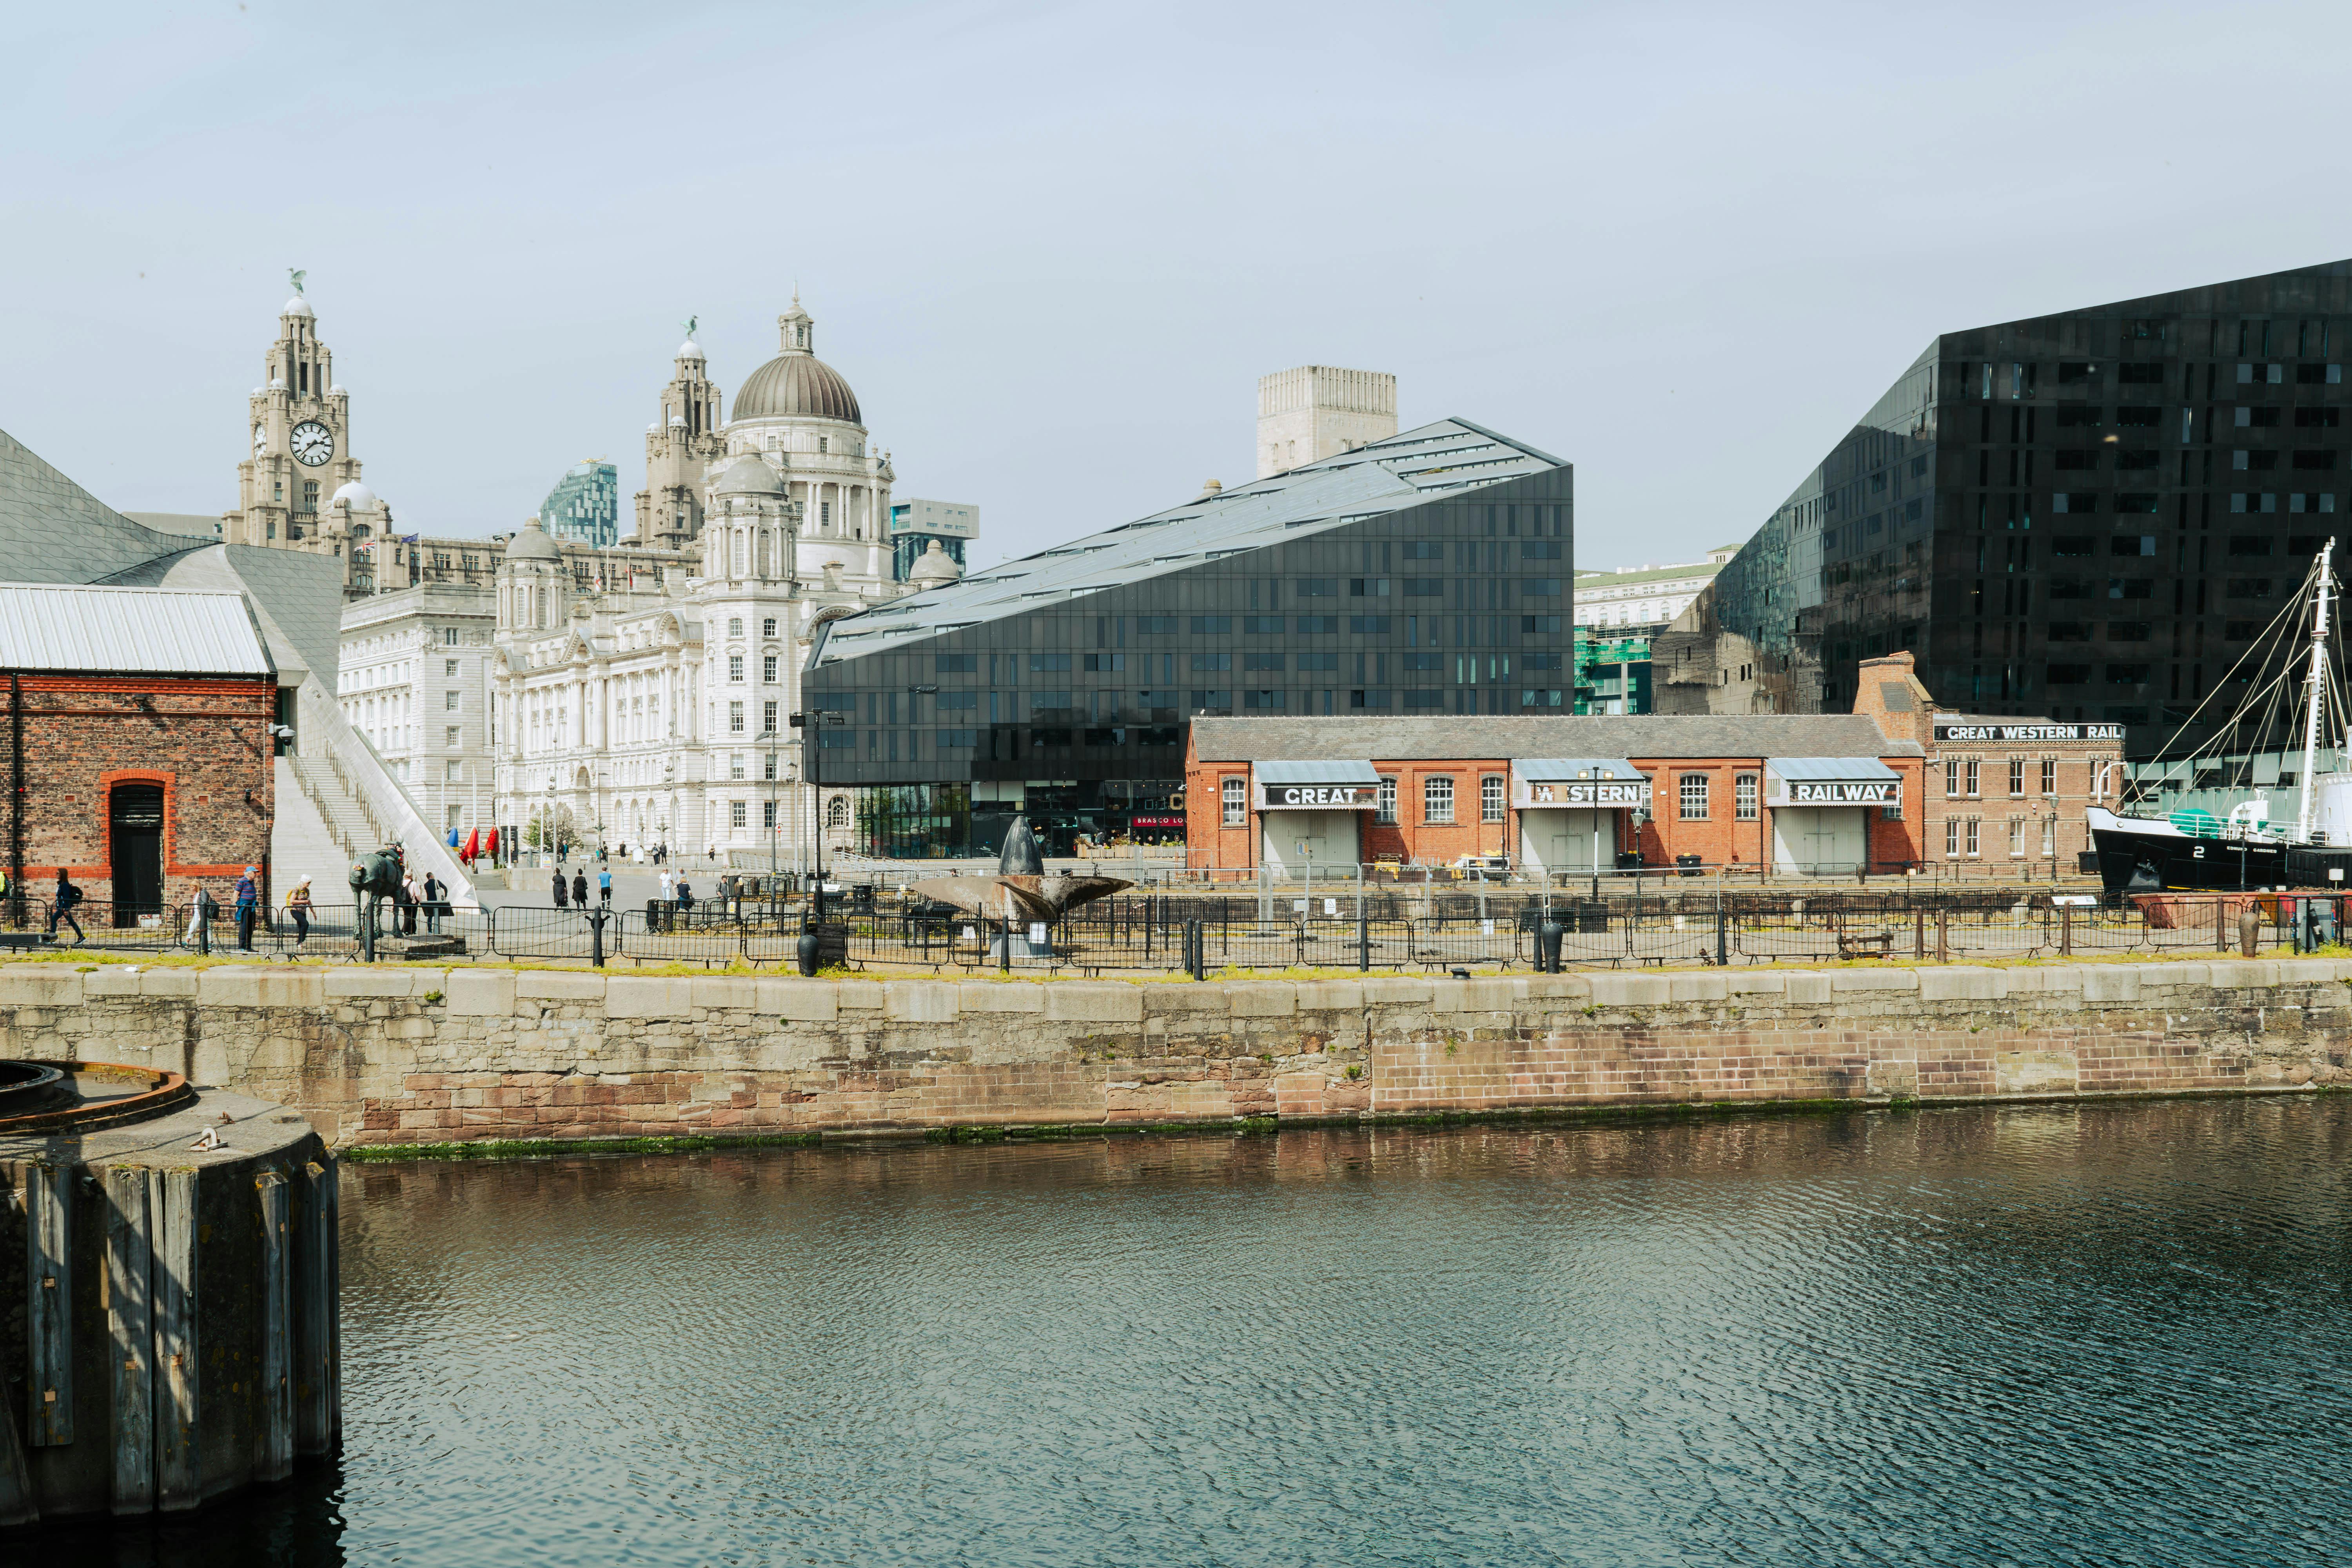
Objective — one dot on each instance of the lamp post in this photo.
(803, 722)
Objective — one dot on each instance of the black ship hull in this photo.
(2150, 858)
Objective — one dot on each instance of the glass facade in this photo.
(2090, 516)
(906, 549)
(1449, 596)
(584, 507)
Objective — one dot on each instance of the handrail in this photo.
(323, 731)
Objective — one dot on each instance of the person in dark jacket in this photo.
(434, 892)
(249, 899)
(562, 888)
(62, 908)
(580, 888)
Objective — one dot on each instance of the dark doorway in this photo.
(136, 814)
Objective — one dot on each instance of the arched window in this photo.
(738, 552)
(838, 814)
(1236, 802)
(542, 608)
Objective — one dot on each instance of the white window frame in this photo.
(1491, 796)
(1385, 812)
(1437, 799)
(1691, 791)
(1233, 803)
(1744, 796)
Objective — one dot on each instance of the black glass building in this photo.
(2089, 515)
(1429, 573)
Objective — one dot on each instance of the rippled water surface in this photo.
(2107, 1335)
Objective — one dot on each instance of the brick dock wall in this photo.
(423, 1055)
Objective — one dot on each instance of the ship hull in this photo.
(2138, 857)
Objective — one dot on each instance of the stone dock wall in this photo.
(427, 1056)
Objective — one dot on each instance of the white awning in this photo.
(1831, 782)
(1316, 786)
(1608, 783)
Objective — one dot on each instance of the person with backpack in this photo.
(434, 892)
(67, 896)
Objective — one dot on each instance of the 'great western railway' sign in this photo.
(1980, 734)
(1319, 797)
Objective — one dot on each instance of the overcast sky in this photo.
(1053, 247)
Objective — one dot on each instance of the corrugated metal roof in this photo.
(1381, 477)
(1504, 735)
(1840, 770)
(1555, 770)
(1350, 772)
(127, 630)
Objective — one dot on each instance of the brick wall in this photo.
(401, 1056)
(207, 744)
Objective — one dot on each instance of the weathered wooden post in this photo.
(2250, 931)
(1943, 936)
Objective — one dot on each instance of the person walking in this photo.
(298, 904)
(434, 891)
(669, 886)
(248, 894)
(403, 903)
(580, 886)
(62, 908)
(559, 887)
(605, 886)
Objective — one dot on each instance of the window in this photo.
(1490, 798)
(1213, 626)
(768, 669)
(2049, 836)
(2016, 778)
(449, 639)
(1047, 662)
(767, 814)
(1212, 661)
(450, 735)
(1743, 797)
(2016, 839)
(1951, 838)
(453, 770)
(1155, 625)
(1262, 626)
(1951, 778)
(735, 627)
(735, 718)
(768, 628)
(734, 813)
(1235, 798)
(735, 766)
(1972, 825)
(956, 663)
(768, 717)
(448, 702)
(1972, 779)
(734, 669)
(767, 769)
(2049, 776)
(1317, 587)
(959, 740)
(1386, 811)
(1694, 797)
(1437, 799)
(1262, 661)
(448, 669)
(1113, 663)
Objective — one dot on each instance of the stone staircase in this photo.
(320, 829)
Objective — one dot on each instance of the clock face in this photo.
(313, 443)
(260, 439)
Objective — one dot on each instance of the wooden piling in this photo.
(172, 1215)
(131, 1337)
(48, 1307)
(314, 1292)
(273, 1457)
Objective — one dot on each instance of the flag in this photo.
(452, 839)
(473, 846)
(490, 843)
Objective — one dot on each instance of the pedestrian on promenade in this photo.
(434, 892)
(298, 904)
(604, 888)
(580, 886)
(669, 886)
(559, 887)
(685, 896)
(403, 903)
(62, 908)
(249, 895)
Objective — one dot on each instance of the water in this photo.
(2099, 1335)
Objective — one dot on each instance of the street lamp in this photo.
(804, 721)
(768, 743)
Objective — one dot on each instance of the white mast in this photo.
(2316, 693)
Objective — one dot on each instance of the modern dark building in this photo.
(2091, 515)
(584, 507)
(1429, 573)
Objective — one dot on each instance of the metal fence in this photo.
(1169, 932)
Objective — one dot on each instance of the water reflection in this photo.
(1971, 1336)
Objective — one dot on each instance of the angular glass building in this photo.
(1429, 573)
(584, 507)
(2089, 516)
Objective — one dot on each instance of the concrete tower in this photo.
(680, 447)
(1315, 411)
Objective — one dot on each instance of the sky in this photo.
(1054, 246)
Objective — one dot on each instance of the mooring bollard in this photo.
(2067, 931)
(2220, 925)
(1722, 944)
(2249, 931)
(1548, 933)
(1943, 936)
(1363, 937)
(596, 919)
(1918, 933)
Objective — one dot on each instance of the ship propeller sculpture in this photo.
(1023, 893)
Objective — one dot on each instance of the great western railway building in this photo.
(1429, 573)
(1802, 795)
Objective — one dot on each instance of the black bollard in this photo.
(204, 921)
(1548, 933)
(1004, 945)
(805, 951)
(1363, 937)
(596, 919)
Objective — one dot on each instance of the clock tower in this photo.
(299, 488)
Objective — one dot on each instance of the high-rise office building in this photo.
(584, 507)
(2091, 515)
(917, 525)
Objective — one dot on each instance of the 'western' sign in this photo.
(1319, 797)
(1974, 734)
(1604, 792)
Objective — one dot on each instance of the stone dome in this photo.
(298, 306)
(747, 475)
(797, 384)
(934, 568)
(689, 350)
(355, 495)
(532, 544)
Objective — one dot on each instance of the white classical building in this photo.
(414, 679)
(1644, 595)
(653, 709)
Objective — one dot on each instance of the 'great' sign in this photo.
(1319, 797)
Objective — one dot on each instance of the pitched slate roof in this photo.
(1512, 736)
(53, 530)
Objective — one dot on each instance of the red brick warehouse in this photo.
(1809, 794)
(139, 734)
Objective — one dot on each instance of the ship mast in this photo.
(2316, 693)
